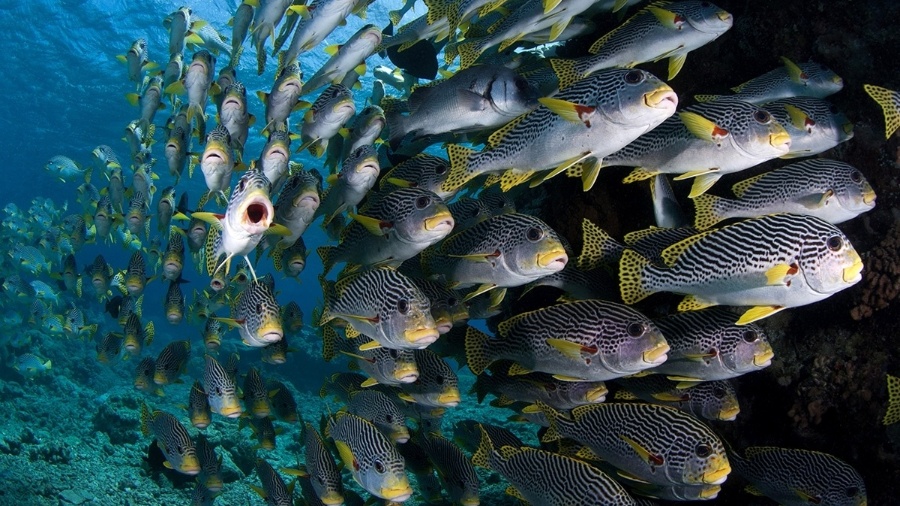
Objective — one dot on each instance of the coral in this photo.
(881, 284)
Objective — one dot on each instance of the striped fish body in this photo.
(609, 341)
(173, 439)
(100, 274)
(539, 387)
(456, 472)
(813, 124)
(212, 334)
(273, 489)
(275, 353)
(255, 395)
(795, 477)
(136, 337)
(197, 79)
(264, 431)
(594, 117)
(437, 385)
(828, 189)
(198, 407)
(143, 377)
(173, 257)
(677, 493)
(712, 400)
(705, 141)
(136, 217)
(370, 456)
(291, 260)
(297, 203)
(171, 362)
(357, 176)
(174, 305)
(771, 263)
(210, 465)
(220, 389)
(234, 115)
(660, 30)
(258, 315)
(325, 477)
(577, 284)
(104, 217)
(109, 348)
(391, 228)
(283, 404)
(467, 434)
(217, 160)
(286, 91)
(275, 158)
(365, 129)
(348, 57)
(421, 171)
(177, 144)
(656, 444)
(385, 366)
(447, 306)
(651, 242)
(503, 251)
(379, 409)
(541, 477)
(325, 16)
(468, 211)
(707, 345)
(328, 114)
(808, 79)
(384, 305)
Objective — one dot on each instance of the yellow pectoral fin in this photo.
(373, 225)
(371, 345)
(478, 291)
(794, 71)
(568, 348)
(643, 453)
(777, 274)
(569, 111)
(758, 313)
(701, 127)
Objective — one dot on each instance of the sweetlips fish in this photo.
(813, 124)
(137, 60)
(324, 475)
(283, 99)
(454, 469)
(325, 118)
(808, 79)
(172, 362)
(384, 366)
(345, 58)
(770, 263)
(437, 385)
(273, 489)
(256, 314)
(220, 389)
(379, 409)
(349, 186)
(172, 438)
(712, 400)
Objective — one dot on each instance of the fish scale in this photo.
(611, 109)
(797, 477)
(589, 340)
(708, 345)
(371, 457)
(542, 477)
(369, 300)
(324, 474)
(831, 190)
(668, 438)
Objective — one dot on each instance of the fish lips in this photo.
(662, 98)
(554, 260)
(440, 223)
(656, 355)
(256, 214)
(421, 337)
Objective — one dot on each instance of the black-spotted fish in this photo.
(712, 400)
(608, 341)
(172, 362)
(321, 469)
(660, 30)
(454, 469)
(808, 79)
(770, 263)
(504, 251)
(220, 389)
(173, 439)
(421, 171)
(889, 101)
(705, 141)
(382, 304)
(256, 315)
(137, 221)
(273, 489)
(573, 131)
(828, 189)
(795, 477)
(370, 456)
(542, 477)
(647, 443)
(198, 407)
(391, 228)
(813, 124)
(172, 259)
(707, 345)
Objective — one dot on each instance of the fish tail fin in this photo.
(632, 269)
(890, 103)
(478, 347)
(459, 167)
(598, 248)
(553, 417)
(326, 253)
(48, 364)
(892, 415)
(706, 211)
(481, 387)
(565, 72)
(396, 125)
(481, 457)
(468, 54)
(145, 419)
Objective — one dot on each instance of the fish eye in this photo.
(259, 308)
(379, 467)
(534, 234)
(452, 301)
(749, 336)
(389, 418)
(393, 353)
(718, 392)
(856, 176)
(703, 450)
(422, 202)
(403, 306)
(761, 116)
(439, 379)
(852, 491)
(636, 329)
(240, 187)
(834, 242)
(440, 169)
(634, 77)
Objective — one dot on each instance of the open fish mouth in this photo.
(257, 214)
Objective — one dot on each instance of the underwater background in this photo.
(71, 434)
